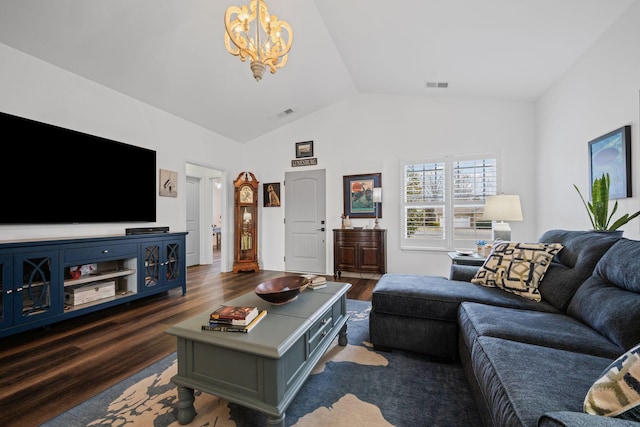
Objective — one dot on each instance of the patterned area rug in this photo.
(351, 386)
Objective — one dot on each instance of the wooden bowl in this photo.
(282, 290)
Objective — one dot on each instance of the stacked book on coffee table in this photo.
(315, 281)
(229, 318)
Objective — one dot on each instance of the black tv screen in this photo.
(52, 175)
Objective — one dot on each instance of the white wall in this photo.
(372, 133)
(598, 94)
(541, 147)
(40, 91)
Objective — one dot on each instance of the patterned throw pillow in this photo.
(617, 392)
(517, 267)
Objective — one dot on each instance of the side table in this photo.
(473, 259)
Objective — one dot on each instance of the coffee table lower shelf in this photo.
(265, 368)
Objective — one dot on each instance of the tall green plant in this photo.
(598, 207)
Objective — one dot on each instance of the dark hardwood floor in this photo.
(48, 371)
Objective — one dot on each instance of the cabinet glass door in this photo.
(162, 263)
(172, 261)
(152, 265)
(6, 292)
(36, 277)
(246, 234)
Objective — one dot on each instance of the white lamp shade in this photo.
(377, 194)
(503, 207)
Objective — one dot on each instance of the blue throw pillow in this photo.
(616, 393)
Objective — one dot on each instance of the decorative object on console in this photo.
(611, 154)
(377, 199)
(598, 207)
(358, 195)
(615, 393)
(82, 294)
(517, 267)
(503, 207)
(252, 32)
(168, 183)
(281, 290)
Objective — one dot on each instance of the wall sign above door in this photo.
(304, 162)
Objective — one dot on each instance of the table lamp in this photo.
(377, 199)
(503, 207)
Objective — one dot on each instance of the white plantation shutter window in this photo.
(443, 201)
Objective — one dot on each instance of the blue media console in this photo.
(46, 281)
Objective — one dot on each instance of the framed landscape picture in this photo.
(610, 153)
(358, 195)
(304, 149)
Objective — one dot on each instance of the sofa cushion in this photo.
(609, 301)
(580, 419)
(520, 382)
(517, 267)
(573, 264)
(616, 393)
(433, 297)
(533, 327)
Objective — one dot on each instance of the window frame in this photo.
(448, 205)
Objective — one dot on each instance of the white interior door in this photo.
(305, 218)
(193, 221)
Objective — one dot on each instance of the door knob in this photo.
(320, 229)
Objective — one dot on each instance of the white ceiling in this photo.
(171, 54)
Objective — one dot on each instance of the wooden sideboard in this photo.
(360, 251)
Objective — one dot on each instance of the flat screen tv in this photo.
(53, 175)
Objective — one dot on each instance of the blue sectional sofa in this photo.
(528, 363)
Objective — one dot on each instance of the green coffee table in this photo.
(265, 368)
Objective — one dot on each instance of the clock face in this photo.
(246, 195)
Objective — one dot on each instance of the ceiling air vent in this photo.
(436, 85)
(285, 113)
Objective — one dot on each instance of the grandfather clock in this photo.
(246, 223)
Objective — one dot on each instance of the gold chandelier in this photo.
(253, 33)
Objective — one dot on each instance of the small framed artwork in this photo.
(358, 195)
(304, 149)
(168, 183)
(271, 195)
(611, 153)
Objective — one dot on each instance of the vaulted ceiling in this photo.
(170, 53)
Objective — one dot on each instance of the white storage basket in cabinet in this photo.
(82, 294)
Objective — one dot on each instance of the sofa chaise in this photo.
(531, 355)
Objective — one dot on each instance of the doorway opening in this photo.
(205, 216)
